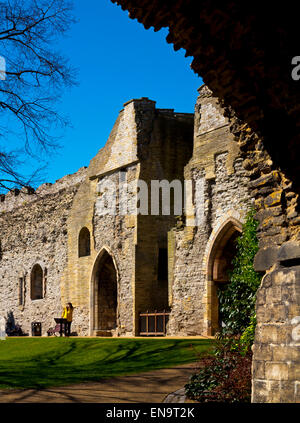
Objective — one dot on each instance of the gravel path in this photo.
(155, 386)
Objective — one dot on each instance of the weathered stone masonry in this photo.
(222, 199)
(276, 353)
(128, 245)
(34, 231)
(229, 170)
(243, 52)
(118, 274)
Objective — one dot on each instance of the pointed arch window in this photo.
(36, 285)
(84, 243)
(221, 254)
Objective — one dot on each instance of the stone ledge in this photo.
(265, 258)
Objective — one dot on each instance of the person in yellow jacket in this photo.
(68, 315)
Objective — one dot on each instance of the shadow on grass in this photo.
(85, 360)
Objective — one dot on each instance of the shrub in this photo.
(224, 378)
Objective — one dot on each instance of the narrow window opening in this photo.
(84, 243)
(162, 264)
(21, 291)
(37, 282)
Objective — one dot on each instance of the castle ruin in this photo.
(67, 242)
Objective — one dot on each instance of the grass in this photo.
(44, 362)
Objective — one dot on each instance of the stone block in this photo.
(260, 391)
(271, 333)
(286, 353)
(265, 258)
(277, 371)
(278, 313)
(297, 391)
(281, 392)
(263, 214)
(273, 295)
(261, 297)
(262, 352)
(130, 221)
(283, 277)
(258, 369)
(273, 199)
(289, 250)
(262, 314)
(294, 369)
(267, 179)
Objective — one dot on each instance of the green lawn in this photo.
(45, 362)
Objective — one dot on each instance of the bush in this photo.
(224, 378)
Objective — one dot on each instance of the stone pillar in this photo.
(276, 350)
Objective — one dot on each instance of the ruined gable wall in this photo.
(118, 234)
(222, 193)
(169, 148)
(148, 136)
(276, 353)
(113, 232)
(34, 230)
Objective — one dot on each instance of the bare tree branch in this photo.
(36, 75)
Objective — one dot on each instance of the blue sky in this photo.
(117, 60)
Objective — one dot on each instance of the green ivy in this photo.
(237, 300)
(247, 337)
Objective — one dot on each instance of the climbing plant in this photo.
(237, 300)
(227, 376)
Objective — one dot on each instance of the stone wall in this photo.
(275, 358)
(261, 99)
(117, 234)
(138, 148)
(169, 149)
(219, 196)
(43, 227)
(228, 171)
(276, 362)
(34, 231)
(111, 233)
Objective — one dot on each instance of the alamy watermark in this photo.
(296, 330)
(158, 197)
(2, 328)
(296, 70)
(2, 68)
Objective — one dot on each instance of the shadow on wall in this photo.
(11, 327)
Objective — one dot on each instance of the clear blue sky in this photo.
(117, 60)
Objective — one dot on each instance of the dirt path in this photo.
(141, 388)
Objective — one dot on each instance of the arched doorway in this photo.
(105, 298)
(222, 251)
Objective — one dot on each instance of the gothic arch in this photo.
(84, 242)
(104, 293)
(218, 256)
(37, 282)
